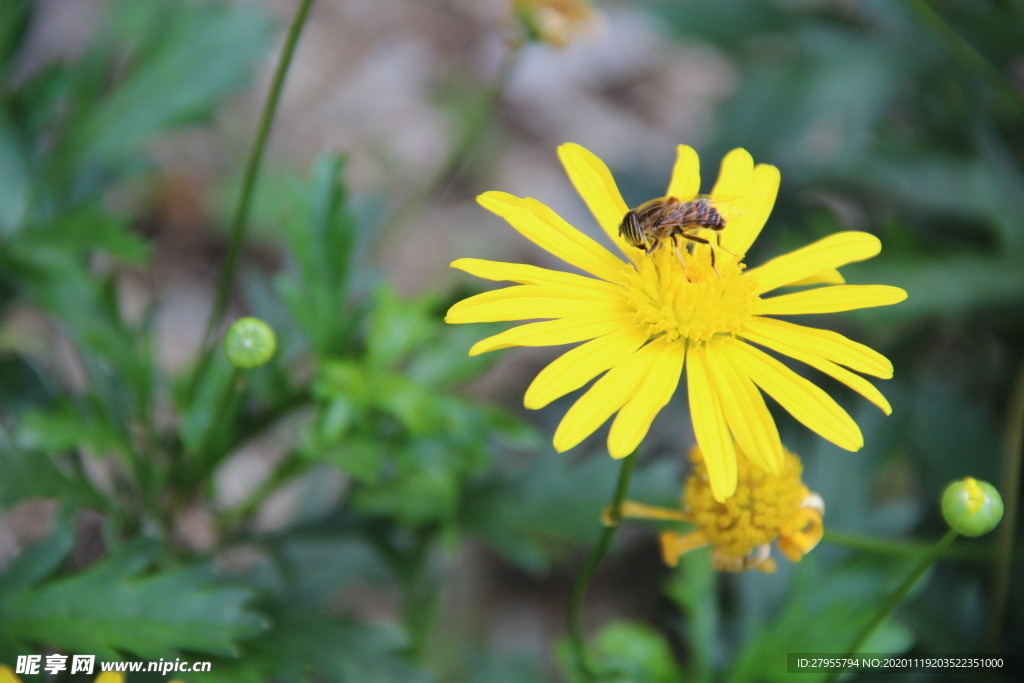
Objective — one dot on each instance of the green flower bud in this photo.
(249, 343)
(972, 507)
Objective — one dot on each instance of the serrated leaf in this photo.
(321, 242)
(112, 608)
(309, 646)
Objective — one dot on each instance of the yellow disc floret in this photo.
(692, 303)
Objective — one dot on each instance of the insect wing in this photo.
(729, 206)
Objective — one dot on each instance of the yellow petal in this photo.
(855, 382)
(735, 174)
(608, 394)
(674, 546)
(830, 252)
(530, 275)
(807, 402)
(545, 228)
(630, 509)
(595, 185)
(110, 677)
(825, 343)
(746, 413)
(831, 300)
(7, 676)
(709, 426)
(829, 276)
(685, 182)
(740, 233)
(552, 332)
(527, 302)
(634, 420)
(576, 367)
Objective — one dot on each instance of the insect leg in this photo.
(679, 254)
(711, 247)
(718, 240)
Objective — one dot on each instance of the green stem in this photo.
(579, 587)
(471, 131)
(240, 221)
(1013, 450)
(973, 552)
(899, 594)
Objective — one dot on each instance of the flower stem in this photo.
(897, 597)
(240, 220)
(596, 555)
(1013, 451)
(973, 552)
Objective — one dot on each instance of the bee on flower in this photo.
(644, 318)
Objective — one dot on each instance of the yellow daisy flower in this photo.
(644, 317)
(765, 508)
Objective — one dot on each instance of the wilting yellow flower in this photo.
(645, 315)
(555, 21)
(765, 508)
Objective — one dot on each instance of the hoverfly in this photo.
(665, 218)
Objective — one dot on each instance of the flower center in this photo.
(692, 302)
(763, 505)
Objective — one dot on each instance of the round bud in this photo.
(249, 343)
(972, 507)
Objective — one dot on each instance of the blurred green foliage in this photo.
(898, 117)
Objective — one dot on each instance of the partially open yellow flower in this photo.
(555, 21)
(645, 315)
(765, 508)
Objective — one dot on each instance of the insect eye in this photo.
(630, 229)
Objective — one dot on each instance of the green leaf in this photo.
(81, 232)
(25, 474)
(66, 427)
(320, 244)
(628, 651)
(37, 561)
(306, 645)
(112, 607)
(187, 56)
(22, 385)
(15, 183)
(14, 22)
(421, 493)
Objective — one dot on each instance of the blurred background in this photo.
(375, 505)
